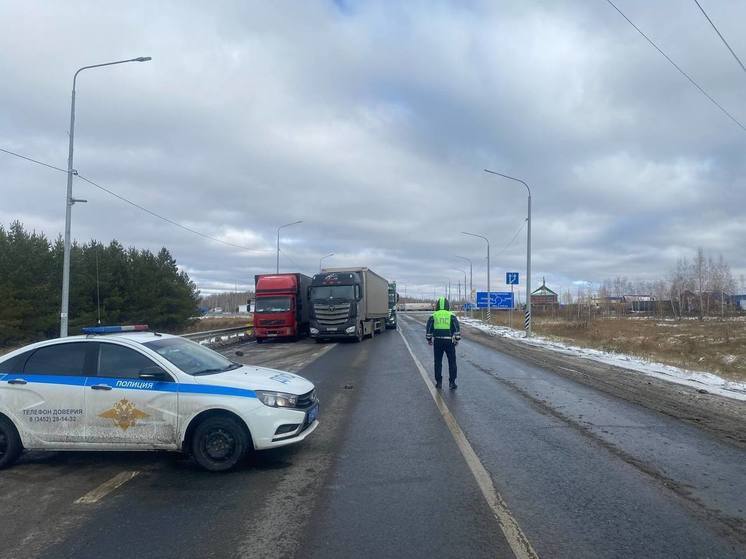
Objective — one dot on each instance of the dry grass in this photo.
(717, 346)
(216, 323)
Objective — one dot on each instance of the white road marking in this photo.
(105, 488)
(517, 540)
(571, 370)
(316, 354)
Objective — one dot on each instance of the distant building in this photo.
(639, 303)
(543, 298)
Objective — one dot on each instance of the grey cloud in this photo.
(372, 121)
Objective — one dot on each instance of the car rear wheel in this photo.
(10, 444)
(220, 443)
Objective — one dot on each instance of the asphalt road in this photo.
(579, 472)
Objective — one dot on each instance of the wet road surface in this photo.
(582, 473)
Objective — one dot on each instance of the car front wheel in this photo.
(219, 443)
(10, 444)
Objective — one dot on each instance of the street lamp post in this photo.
(323, 257)
(69, 200)
(528, 250)
(489, 300)
(464, 272)
(471, 276)
(277, 271)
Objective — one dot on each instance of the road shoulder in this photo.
(723, 417)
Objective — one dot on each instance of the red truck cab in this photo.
(281, 309)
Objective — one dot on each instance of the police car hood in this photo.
(259, 378)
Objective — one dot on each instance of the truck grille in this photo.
(270, 322)
(331, 315)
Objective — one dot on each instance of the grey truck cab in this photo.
(348, 303)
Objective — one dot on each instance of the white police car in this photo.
(124, 388)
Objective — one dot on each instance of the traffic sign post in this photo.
(510, 318)
(511, 279)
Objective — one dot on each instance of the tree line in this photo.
(109, 284)
(699, 286)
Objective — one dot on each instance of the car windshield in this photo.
(191, 358)
(332, 292)
(272, 304)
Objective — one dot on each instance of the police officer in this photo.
(443, 333)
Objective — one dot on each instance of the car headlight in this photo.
(350, 330)
(277, 399)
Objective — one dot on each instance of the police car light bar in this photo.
(114, 329)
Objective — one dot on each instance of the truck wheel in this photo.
(259, 340)
(219, 443)
(10, 443)
(360, 333)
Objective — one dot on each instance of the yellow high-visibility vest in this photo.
(442, 320)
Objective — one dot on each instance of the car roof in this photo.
(126, 337)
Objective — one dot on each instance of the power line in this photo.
(682, 72)
(293, 262)
(33, 160)
(159, 216)
(701, 9)
(130, 202)
(515, 236)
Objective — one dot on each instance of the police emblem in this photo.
(124, 414)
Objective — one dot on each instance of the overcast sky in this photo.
(371, 121)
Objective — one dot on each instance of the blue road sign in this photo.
(511, 278)
(498, 300)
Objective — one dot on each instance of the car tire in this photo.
(10, 443)
(219, 443)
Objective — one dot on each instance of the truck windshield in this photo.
(272, 304)
(333, 292)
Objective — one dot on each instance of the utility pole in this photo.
(471, 278)
(70, 201)
(527, 321)
(323, 258)
(277, 269)
(489, 299)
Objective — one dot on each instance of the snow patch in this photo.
(694, 379)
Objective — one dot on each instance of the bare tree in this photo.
(700, 270)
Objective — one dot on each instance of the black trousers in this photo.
(441, 346)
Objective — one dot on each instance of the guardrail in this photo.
(222, 336)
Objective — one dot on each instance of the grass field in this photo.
(717, 346)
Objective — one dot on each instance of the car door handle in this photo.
(17, 381)
(101, 387)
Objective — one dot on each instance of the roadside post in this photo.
(511, 278)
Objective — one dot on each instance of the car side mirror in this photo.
(152, 373)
